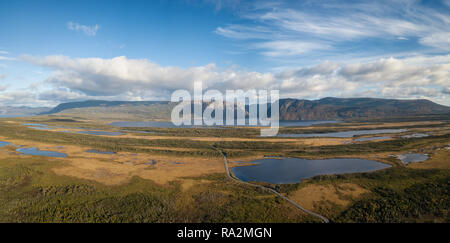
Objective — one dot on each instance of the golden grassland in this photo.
(314, 195)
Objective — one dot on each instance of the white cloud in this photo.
(446, 90)
(439, 40)
(88, 30)
(289, 48)
(244, 32)
(447, 3)
(144, 79)
(21, 97)
(6, 58)
(121, 78)
(3, 52)
(396, 71)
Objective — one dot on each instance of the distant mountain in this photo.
(348, 108)
(290, 109)
(100, 103)
(13, 111)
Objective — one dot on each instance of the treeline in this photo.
(427, 202)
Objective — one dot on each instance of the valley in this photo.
(166, 174)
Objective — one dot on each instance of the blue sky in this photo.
(58, 51)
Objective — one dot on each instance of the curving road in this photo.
(322, 218)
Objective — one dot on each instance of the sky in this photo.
(61, 51)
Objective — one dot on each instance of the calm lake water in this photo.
(3, 144)
(370, 139)
(171, 125)
(35, 151)
(345, 134)
(412, 158)
(38, 126)
(35, 125)
(293, 170)
(416, 135)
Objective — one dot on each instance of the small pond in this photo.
(3, 144)
(412, 158)
(416, 135)
(35, 151)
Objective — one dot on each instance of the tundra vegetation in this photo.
(43, 189)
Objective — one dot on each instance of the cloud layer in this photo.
(121, 78)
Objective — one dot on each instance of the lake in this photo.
(293, 170)
(35, 125)
(35, 151)
(412, 158)
(158, 124)
(370, 139)
(3, 144)
(345, 134)
(416, 135)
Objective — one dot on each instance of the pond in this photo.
(416, 135)
(35, 151)
(345, 134)
(293, 170)
(412, 158)
(35, 125)
(38, 126)
(3, 144)
(370, 139)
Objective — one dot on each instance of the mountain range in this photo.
(290, 109)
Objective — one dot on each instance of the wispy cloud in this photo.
(332, 24)
(7, 58)
(3, 87)
(289, 48)
(88, 30)
(439, 40)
